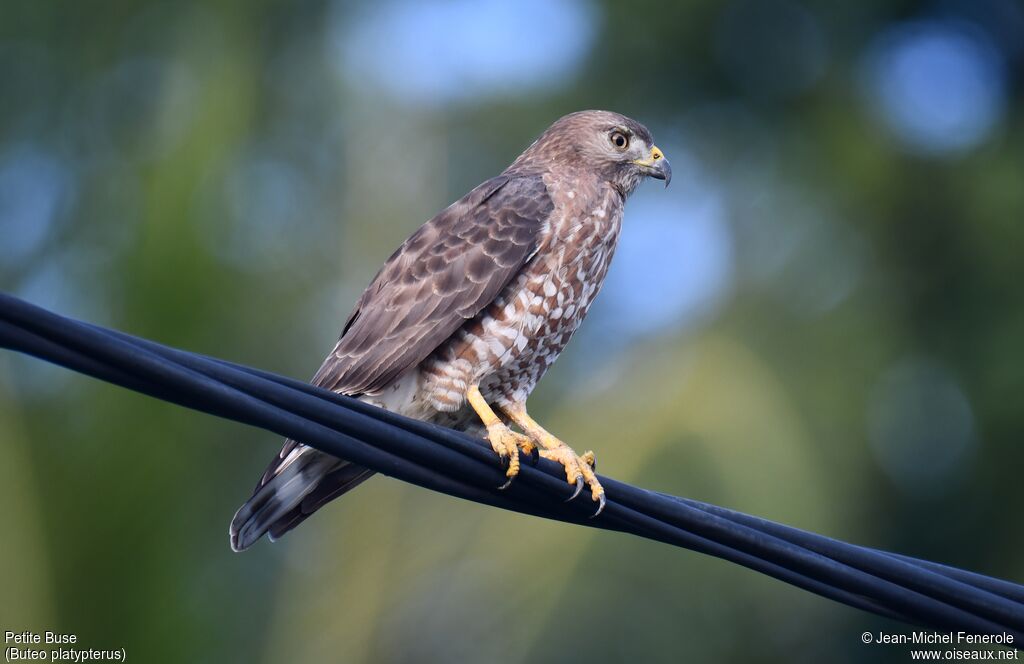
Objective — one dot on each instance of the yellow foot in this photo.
(579, 469)
(507, 443)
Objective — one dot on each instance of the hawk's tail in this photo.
(292, 493)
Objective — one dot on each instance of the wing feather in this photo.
(444, 274)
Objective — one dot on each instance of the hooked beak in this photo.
(656, 165)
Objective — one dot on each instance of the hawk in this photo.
(467, 315)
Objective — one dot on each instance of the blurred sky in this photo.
(819, 321)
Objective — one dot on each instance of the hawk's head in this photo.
(617, 148)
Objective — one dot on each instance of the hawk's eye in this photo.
(619, 140)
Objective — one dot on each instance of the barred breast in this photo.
(508, 347)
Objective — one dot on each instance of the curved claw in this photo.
(509, 483)
(579, 487)
(600, 506)
(534, 456)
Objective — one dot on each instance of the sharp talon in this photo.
(509, 483)
(534, 456)
(579, 487)
(600, 506)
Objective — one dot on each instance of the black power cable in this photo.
(890, 585)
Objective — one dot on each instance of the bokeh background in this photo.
(820, 322)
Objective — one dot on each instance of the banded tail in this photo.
(298, 482)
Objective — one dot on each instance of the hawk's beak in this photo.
(656, 165)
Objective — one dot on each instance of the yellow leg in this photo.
(504, 441)
(579, 469)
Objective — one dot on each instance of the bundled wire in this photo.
(890, 585)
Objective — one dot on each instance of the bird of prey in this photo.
(466, 316)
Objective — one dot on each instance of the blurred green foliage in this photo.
(226, 177)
